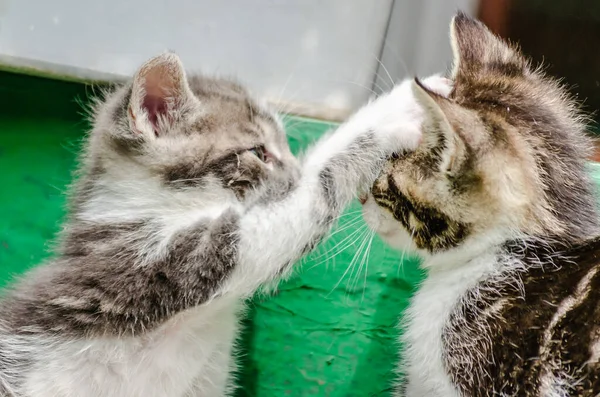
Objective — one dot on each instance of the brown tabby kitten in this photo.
(498, 202)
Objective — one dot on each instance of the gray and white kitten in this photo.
(498, 202)
(188, 200)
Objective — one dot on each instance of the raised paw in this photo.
(396, 117)
(439, 84)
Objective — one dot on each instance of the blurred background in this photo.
(331, 329)
(563, 35)
(317, 57)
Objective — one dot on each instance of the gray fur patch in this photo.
(115, 291)
(328, 185)
(334, 173)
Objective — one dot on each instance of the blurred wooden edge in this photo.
(92, 77)
(55, 71)
(319, 112)
(596, 151)
(494, 13)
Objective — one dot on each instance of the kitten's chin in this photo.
(387, 228)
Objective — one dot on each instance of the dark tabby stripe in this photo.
(431, 229)
(328, 185)
(529, 334)
(234, 169)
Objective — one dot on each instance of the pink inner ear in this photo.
(155, 106)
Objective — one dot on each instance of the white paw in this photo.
(439, 84)
(396, 117)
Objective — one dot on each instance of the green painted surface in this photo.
(326, 332)
(40, 131)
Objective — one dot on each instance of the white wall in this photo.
(319, 57)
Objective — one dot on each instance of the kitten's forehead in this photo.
(227, 107)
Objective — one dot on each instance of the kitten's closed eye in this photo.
(262, 153)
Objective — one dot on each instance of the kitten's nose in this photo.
(363, 197)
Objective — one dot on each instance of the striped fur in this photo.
(498, 201)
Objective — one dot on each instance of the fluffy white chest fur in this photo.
(426, 318)
(187, 356)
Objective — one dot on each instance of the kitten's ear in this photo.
(160, 93)
(439, 138)
(475, 47)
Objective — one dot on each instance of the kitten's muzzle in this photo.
(363, 197)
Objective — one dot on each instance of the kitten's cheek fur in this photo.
(389, 229)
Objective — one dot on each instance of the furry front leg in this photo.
(275, 234)
(217, 378)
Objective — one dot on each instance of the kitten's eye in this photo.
(260, 152)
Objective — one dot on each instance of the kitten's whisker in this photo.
(281, 104)
(342, 241)
(379, 88)
(386, 71)
(403, 256)
(346, 271)
(349, 213)
(366, 243)
(396, 54)
(353, 236)
(340, 250)
(345, 226)
(357, 253)
(350, 236)
(287, 81)
(352, 215)
(362, 86)
(367, 263)
(350, 284)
